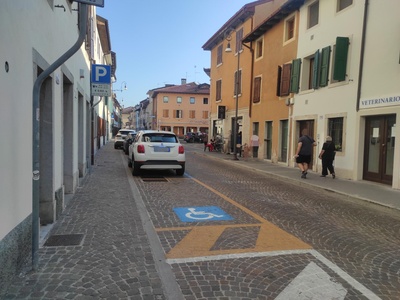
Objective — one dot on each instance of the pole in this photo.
(236, 111)
(36, 131)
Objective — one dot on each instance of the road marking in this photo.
(201, 214)
(313, 283)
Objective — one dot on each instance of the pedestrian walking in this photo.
(255, 143)
(327, 155)
(304, 151)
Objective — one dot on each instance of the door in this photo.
(379, 148)
(309, 125)
(268, 140)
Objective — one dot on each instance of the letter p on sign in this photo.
(101, 74)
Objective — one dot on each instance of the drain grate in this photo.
(158, 179)
(64, 240)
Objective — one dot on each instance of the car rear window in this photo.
(124, 132)
(160, 138)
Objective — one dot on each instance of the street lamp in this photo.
(235, 127)
(122, 89)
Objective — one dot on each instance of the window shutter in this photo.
(341, 52)
(295, 76)
(278, 85)
(285, 80)
(315, 83)
(325, 56)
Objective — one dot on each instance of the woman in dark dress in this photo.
(327, 155)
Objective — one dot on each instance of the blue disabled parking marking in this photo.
(201, 213)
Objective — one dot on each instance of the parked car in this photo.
(156, 150)
(128, 140)
(120, 137)
(193, 137)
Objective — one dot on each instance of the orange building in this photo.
(181, 108)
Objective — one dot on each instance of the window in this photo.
(310, 72)
(192, 100)
(192, 114)
(239, 37)
(205, 100)
(257, 90)
(165, 99)
(259, 48)
(178, 99)
(205, 114)
(342, 4)
(219, 55)
(178, 114)
(313, 14)
(289, 29)
(218, 90)
(165, 113)
(335, 130)
(238, 82)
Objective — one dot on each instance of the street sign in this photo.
(92, 2)
(101, 80)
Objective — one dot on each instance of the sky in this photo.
(159, 42)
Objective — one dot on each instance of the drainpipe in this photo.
(362, 52)
(36, 131)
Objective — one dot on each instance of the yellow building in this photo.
(181, 108)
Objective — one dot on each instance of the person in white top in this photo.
(255, 143)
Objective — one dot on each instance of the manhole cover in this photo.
(64, 240)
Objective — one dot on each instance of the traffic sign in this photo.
(92, 2)
(101, 80)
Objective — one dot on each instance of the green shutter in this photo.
(315, 83)
(340, 64)
(325, 56)
(295, 76)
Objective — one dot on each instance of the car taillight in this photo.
(181, 149)
(140, 148)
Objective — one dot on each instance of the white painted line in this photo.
(350, 280)
(234, 256)
(313, 283)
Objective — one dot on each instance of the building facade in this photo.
(71, 124)
(181, 108)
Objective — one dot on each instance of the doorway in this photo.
(309, 125)
(379, 148)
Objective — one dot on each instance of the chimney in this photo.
(183, 81)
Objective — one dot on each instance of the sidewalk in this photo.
(362, 190)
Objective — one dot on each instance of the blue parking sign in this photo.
(101, 74)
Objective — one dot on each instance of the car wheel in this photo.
(115, 147)
(129, 163)
(180, 172)
(135, 169)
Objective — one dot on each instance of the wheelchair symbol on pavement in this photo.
(203, 213)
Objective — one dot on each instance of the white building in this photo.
(33, 35)
(347, 85)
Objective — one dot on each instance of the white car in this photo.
(156, 150)
(120, 137)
